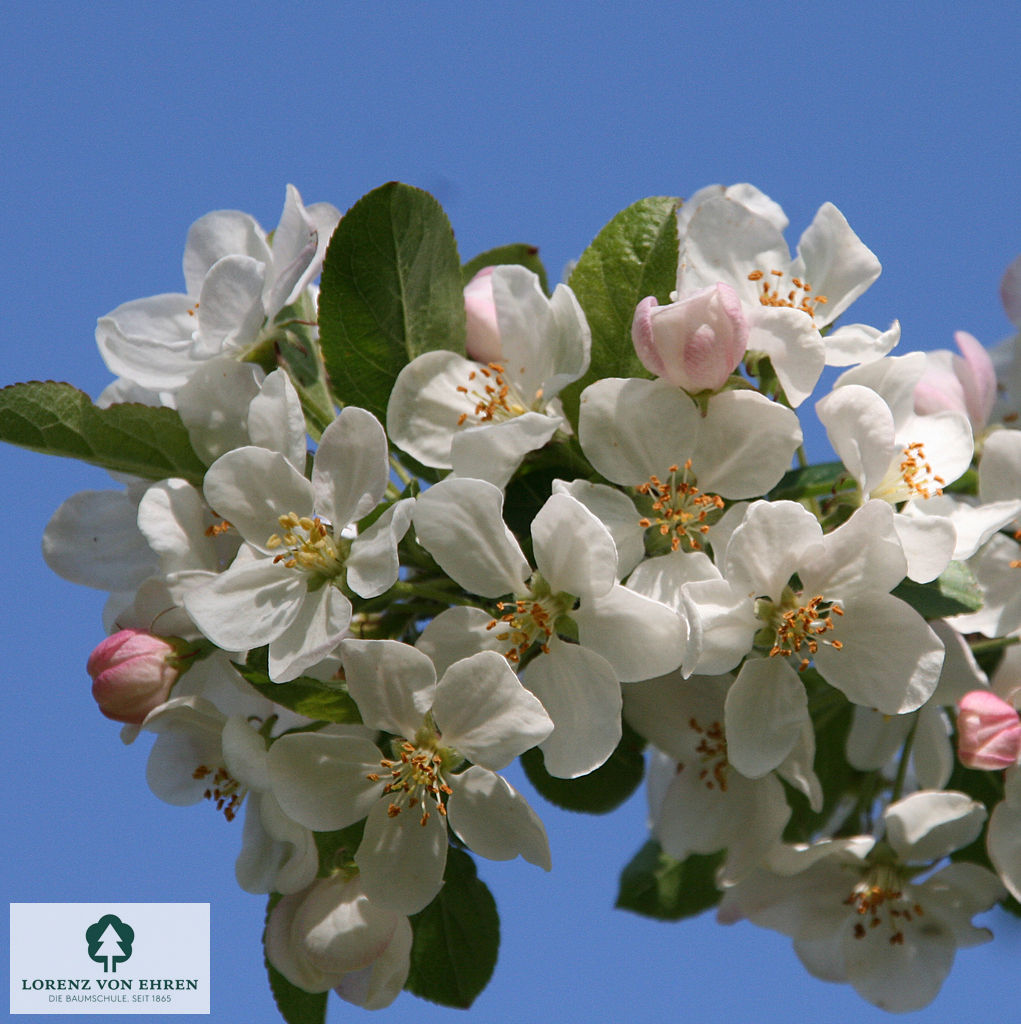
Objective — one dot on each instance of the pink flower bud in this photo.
(483, 342)
(132, 673)
(988, 731)
(695, 343)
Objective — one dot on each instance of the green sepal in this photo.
(58, 419)
(313, 698)
(296, 1006)
(954, 592)
(519, 253)
(634, 256)
(298, 353)
(598, 792)
(337, 849)
(390, 290)
(457, 938)
(812, 481)
(656, 885)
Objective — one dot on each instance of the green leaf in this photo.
(390, 290)
(519, 253)
(598, 792)
(321, 701)
(296, 1005)
(297, 352)
(811, 481)
(656, 885)
(634, 256)
(457, 938)
(954, 592)
(58, 419)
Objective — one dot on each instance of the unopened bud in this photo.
(988, 731)
(132, 673)
(695, 343)
(482, 341)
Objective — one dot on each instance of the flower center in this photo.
(795, 627)
(712, 754)
(308, 545)
(530, 619)
(493, 397)
(680, 510)
(878, 899)
(224, 790)
(416, 776)
(910, 476)
(773, 291)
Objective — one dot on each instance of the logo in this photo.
(110, 941)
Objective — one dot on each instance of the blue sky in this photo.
(530, 122)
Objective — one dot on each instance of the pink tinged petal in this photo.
(766, 548)
(745, 444)
(230, 310)
(1010, 292)
(377, 986)
(249, 605)
(401, 859)
(988, 732)
(482, 340)
(631, 429)
(321, 781)
(460, 523)
(214, 405)
(978, 379)
(320, 624)
(574, 552)
(494, 820)
(393, 684)
(765, 711)
(930, 824)
(275, 419)
(859, 343)
(372, 566)
(493, 451)
(149, 340)
(794, 346)
(860, 427)
(890, 658)
(457, 633)
(218, 234)
(641, 638)
(696, 342)
(616, 512)
(863, 555)
(426, 407)
(484, 713)
(836, 261)
(581, 694)
(93, 539)
(351, 467)
(252, 488)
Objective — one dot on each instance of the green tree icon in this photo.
(109, 942)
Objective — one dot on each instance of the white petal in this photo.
(275, 419)
(321, 780)
(214, 406)
(494, 820)
(218, 234)
(794, 346)
(351, 467)
(493, 451)
(574, 552)
(1003, 841)
(484, 712)
(930, 824)
(320, 624)
(456, 633)
(230, 309)
(765, 549)
(401, 859)
(860, 427)
(928, 543)
(581, 694)
(616, 512)
(373, 566)
(393, 684)
(859, 343)
(460, 523)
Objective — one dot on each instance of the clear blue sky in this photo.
(530, 122)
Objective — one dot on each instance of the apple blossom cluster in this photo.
(375, 538)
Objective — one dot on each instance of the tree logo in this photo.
(109, 942)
